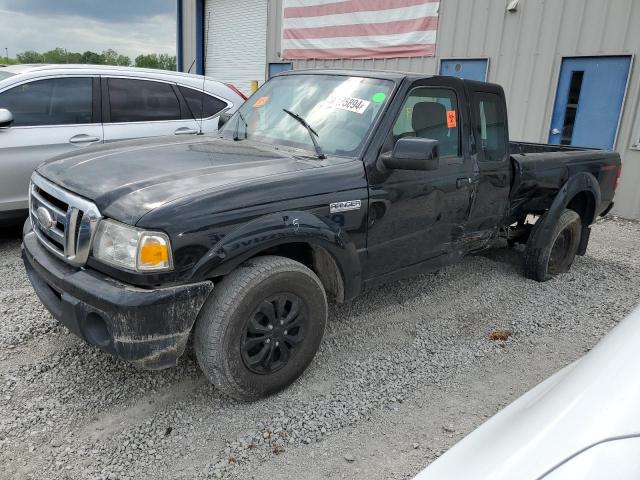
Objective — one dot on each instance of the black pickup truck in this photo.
(323, 184)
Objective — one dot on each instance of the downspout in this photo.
(200, 37)
(179, 53)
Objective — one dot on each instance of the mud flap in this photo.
(584, 240)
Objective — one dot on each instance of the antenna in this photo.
(206, 36)
(191, 66)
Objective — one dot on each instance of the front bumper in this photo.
(147, 327)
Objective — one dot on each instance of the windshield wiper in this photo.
(237, 129)
(312, 133)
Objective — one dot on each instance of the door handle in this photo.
(463, 182)
(185, 131)
(83, 138)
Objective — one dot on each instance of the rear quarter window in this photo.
(491, 128)
(202, 105)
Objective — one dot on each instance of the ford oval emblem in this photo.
(44, 218)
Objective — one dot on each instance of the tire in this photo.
(549, 254)
(261, 327)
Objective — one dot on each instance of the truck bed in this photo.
(529, 147)
(540, 170)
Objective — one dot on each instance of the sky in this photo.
(130, 27)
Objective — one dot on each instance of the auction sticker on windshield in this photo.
(260, 102)
(351, 104)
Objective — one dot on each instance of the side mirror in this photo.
(223, 118)
(6, 118)
(413, 153)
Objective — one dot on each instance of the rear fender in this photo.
(278, 229)
(581, 182)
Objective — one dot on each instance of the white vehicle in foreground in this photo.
(583, 423)
(48, 110)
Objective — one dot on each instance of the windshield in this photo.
(340, 109)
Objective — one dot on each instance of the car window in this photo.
(200, 104)
(491, 125)
(142, 101)
(430, 113)
(55, 101)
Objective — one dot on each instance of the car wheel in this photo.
(261, 327)
(551, 251)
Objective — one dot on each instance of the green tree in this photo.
(107, 57)
(30, 57)
(123, 61)
(91, 57)
(153, 60)
(57, 55)
(74, 57)
(167, 62)
(111, 57)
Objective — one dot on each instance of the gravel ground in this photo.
(405, 371)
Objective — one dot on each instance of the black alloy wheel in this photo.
(273, 332)
(261, 327)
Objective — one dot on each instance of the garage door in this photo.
(236, 35)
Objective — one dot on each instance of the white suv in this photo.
(47, 110)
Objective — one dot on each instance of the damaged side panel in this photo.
(540, 171)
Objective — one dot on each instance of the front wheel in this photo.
(551, 251)
(261, 327)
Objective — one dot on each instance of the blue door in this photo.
(589, 100)
(467, 68)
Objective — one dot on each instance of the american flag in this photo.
(330, 29)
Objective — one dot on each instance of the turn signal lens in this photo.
(131, 248)
(154, 253)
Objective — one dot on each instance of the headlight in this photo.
(130, 248)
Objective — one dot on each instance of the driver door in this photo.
(416, 217)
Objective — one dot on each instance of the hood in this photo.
(128, 179)
(590, 401)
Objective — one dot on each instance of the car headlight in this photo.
(131, 248)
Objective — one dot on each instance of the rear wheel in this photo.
(552, 251)
(261, 327)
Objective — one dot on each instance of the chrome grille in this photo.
(63, 222)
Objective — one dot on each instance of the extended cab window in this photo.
(201, 104)
(142, 101)
(491, 125)
(430, 113)
(56, 101)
